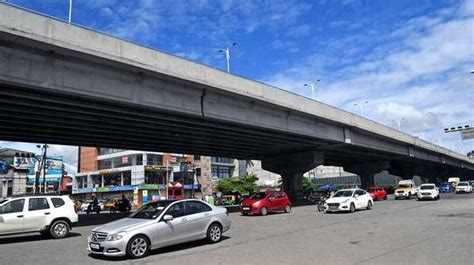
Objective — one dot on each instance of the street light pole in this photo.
(311, 85)
(399, 121)
(70, 12)
(227, 55)
(361, 107)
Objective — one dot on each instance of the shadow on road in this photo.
(98, 219)
(170, 249)
(28, 238)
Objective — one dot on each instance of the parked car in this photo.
(50, 215)
(349, 200)
(266, 202)
(464, 186)
(159, 224)
(428, 191)
(377, 193)
(446, 187)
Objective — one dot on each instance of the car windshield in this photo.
(463, 184)
(343, 193)
(373, 189)
(151, 210)
(3, 200)
(259, 195)
(427, 187)
(404, 186)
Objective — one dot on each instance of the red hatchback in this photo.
(266, 202)
(377, 193)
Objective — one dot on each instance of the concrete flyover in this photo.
(65, 84)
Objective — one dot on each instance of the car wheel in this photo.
(369, 205)
(385, 197)
(245, 214)
(352, 208)
(59, 229)
(396, 198)
(214, 233)
(138, 247)
(287, 209)
(263, 211)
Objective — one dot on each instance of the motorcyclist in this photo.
(93, 205)
(125, 203)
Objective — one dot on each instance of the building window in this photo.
(154, 160)
(106, 151)
(220, 172)
(222, 160)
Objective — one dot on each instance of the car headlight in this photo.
(116, 236)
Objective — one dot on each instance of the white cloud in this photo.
(419, 74)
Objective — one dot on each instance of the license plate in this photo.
(246, 208)
(95, 246)
(332, 207)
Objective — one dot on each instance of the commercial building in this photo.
(143, 176)
(19, 171)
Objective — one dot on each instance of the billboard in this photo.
(54, 169)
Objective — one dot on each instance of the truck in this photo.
(454, 181)
(406, 189)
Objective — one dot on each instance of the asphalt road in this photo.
(394, 232)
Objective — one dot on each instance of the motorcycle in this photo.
(120, 207)
(94, 209)
(318, 198)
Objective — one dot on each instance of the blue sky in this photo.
(410, 60)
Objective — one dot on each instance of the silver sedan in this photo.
(159, 224)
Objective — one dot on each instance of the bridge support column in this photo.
(291, 167)
(366, 171)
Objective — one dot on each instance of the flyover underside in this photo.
(32, 116)
(28, 115)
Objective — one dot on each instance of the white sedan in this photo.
(428, 191)
(349, 200)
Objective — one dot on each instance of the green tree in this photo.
(308, 184)
(245, 185)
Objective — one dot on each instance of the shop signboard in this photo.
(191, 186)
(103, 189)
(123, 188)
(154, 168)
(148, 187)
(145, 196)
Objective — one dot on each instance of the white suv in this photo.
(464, 186)
(50, 215)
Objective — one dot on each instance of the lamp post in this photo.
(361, 107)
(398, 122)
(227, 55)
(311, 85)
(70, 12)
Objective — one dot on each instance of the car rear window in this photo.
(57, 202)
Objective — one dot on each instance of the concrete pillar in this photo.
(291, 168)
(145, 159)
(366, 171)
(102, 180)
(121, 178)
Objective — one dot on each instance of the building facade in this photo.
(141, 176)
(19, 171)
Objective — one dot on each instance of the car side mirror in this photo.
(357, 195)
(168, 218)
